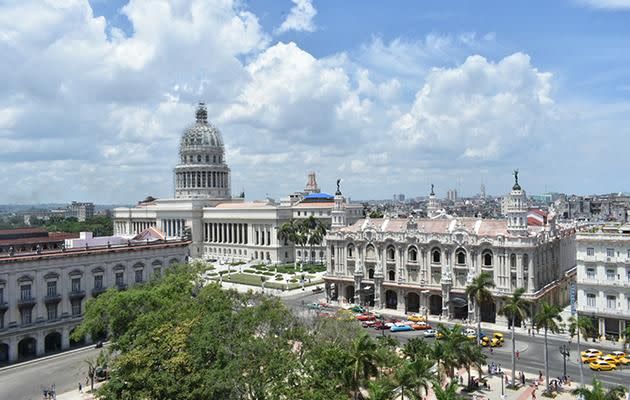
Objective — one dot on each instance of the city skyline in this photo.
(391, 99)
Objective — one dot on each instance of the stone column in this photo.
(13, 349)
(402, 276)
(519, 271)
(401, 305)
(40, 345)
(65, 338)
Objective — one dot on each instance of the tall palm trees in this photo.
(598, 393)
(314, 231)
(363, 361)
(547, 318)
(479, 292)
(291, 231)
(310, 231)
(580, 325)
(513, 308)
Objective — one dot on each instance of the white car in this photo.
(469, 332)
(430, 333)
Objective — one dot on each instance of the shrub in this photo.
(293, 280)
(250, 271)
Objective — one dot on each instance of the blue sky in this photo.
(389, 96)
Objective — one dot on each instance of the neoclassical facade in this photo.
(223, 227)
(424, 265)
(43, 294)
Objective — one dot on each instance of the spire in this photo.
(338, 192)
(202, 113)
(432, 193)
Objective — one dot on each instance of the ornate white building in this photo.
(43, 293)
(603, 277)
(424, 265)
(221, 226)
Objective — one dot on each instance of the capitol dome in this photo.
(201, 133)
(202, 171)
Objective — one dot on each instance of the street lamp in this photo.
(564, 350)
(502, 384)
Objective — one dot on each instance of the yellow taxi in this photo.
(416, 318)
(625, 360)
(619, 355)
(592, 351)
(497, 340)
(600, 365)
(609, 359)
(590, 355)
(439, 335)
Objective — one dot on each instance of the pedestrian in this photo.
(540, 376)
(80, 388)
(518, 354)
(506, 380)
(523, 378)
(529, 331)
(534, 394)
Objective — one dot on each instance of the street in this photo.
(66, 370)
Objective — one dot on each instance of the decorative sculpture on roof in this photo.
(432, 193)
(338, 189)
(516, 185)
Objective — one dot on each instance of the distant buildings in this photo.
(399, 197)
(80, 211)
(23, 240)
(451, 195)
(603, 277)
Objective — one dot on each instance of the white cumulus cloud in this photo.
(606, 4)
(300, 18)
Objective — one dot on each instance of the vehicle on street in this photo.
(313, 306)
(421, 326)
(497, 340)
(358, 309)
(470, 334)
(589, 357)
(430, 333)
(416, 318)
(619, 355)
(366, 317)
(401, 328)
(600, 365)
(318, 289)
(367, 324)
(609, 359)
(380, 325)
(625, 360)
(592, 351)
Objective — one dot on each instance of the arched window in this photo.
(525, 262)
(256, 255)
(487, 258)
(391, 254)
(369, 252)
(350, 251)
(299, 253)
(391, 275)
(513, 261)
(370, 273)
(312, 254)
(412, 254)
(461, 257)
(321, 255)
(436, 256)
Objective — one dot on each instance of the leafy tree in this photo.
(381, 389)
(362, 362)
(471, 356)
(547, 318)
(598, 392)
(290, 232)
(376, 214)
(415, 376)
(515, 307)
(478, 292)
(453, 341)
(314, 231)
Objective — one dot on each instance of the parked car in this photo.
(380, 325)
(600, 365)
(625, 360)
(401, 328)
(421, 326)
(358, 309)
(318, 289)
(590, 357)
(366, 317)
(592, 351)
(619, 355)
(313, 306)
(609, 359)
(367, 324)
(430, 333)
(416, 318)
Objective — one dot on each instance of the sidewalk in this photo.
(75, 395)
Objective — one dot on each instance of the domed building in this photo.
(202, 172)
(223, 227)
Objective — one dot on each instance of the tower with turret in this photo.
(516, 209)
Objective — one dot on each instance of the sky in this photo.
(388, 96)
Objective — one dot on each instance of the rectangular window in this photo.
(120, 279)
(610, 252)
(138, 276)
(25, 315)
(590, 251)
(610, 274)
(591, 300)
(76, 284)
(51, 311)
(590, 273)
(25, 292)
(76, 307)
(2, 295)
(98, 282)
(611, 301)
(2, 320)
(51, 288)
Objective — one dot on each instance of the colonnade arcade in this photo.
(201, 179)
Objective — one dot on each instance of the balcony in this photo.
(4, 306)
(27, 302)
(97, 291)
(460, 266)
(76, 294)
(52, 298)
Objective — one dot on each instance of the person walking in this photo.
(80, 388)
(518, 355)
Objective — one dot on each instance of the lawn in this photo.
(254, 280)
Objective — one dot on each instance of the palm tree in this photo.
(416, 348)
(513, 308)
(363, 361)
(381, 390)
(471, 355)
(626, 337)
(289, 232)
(415, 374)
(314, 231)
(447, 393)
(478, 292)
(580, 325)
(454, 341)
(547, 318)
(598, 393)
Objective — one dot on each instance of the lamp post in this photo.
(502, 384)
(564, 350)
